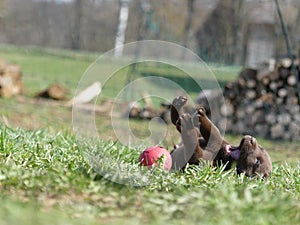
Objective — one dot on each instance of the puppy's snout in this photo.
(251, 140)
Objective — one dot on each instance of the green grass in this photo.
(50, 173)
(48, 176)
(42, 67)
(62, 67)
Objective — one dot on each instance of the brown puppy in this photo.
(176, 110)
(254, 159)
(202, 139)
(190, 150)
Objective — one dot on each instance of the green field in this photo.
(47, 176)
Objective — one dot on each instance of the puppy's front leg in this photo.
(190, 138)
(176, 110)
(216, 144)
(207, 128)
(189, 151)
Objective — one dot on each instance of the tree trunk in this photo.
(238, 32)
(76, 28)
(188, 25)
(123, 20)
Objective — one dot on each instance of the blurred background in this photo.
(47, 45)
(226, 31)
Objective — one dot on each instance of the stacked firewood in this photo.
(10, 80)
(263, 103)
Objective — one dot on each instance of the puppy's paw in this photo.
(188, 127)
(179, 101)
(186, 121)
(201, 113)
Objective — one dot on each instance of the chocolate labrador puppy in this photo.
(202, 139)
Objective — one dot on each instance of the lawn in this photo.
(49, 176)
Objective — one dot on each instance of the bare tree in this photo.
(3, 12)
(123, 19)
(218, 36)
(188, 26)
(188, 33)
(238, 30)
(3, 8)
(77, 24)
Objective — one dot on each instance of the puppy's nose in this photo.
(249, 139)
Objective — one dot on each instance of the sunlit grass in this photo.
(48, 176)
(50, 171)
(42, 67)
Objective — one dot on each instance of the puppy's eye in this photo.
(251, 141)
(257, 162)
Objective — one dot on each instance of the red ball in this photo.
(156, 156)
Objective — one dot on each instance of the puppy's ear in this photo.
(261, 148)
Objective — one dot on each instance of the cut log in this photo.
(277, 131)
(239, 127)
(2, 66)
(265, 81)
(296, 119)
(87, 94)
(231, 91)
(224, 124)
(248, 74)
(271, 118)
(263, 102)
(285, 62)
(240, 113)
(147, 100)
(8, 87)
(294, 131)
(293, 109)
(227, 109)
(133, 110)
(54, 91)
(250, 109)
(274, 76)
(251, 94)
(284, 72)
(282, 92)
(279, 101)
(13, 71)
(57, 92)
(291, 80)
(262, 130)
(258, 104)
(10, 79)
(284, 119)
(292, 100)
(267, 98)
(273, 86)
(251, 83)
(259, 117)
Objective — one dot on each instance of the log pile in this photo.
(263, 103)
(10, 80)
(145, 111)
